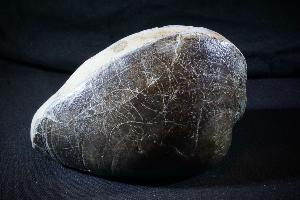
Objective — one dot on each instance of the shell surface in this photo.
(156, 103)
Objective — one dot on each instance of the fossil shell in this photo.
(157, 103)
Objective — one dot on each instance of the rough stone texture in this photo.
(162, 108)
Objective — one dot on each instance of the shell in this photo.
(161, 102)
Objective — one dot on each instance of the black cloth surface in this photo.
(43, 42)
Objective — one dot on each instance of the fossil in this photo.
(158, 103)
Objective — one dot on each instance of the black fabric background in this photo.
(43, 42)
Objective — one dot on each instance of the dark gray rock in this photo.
(158, 103)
